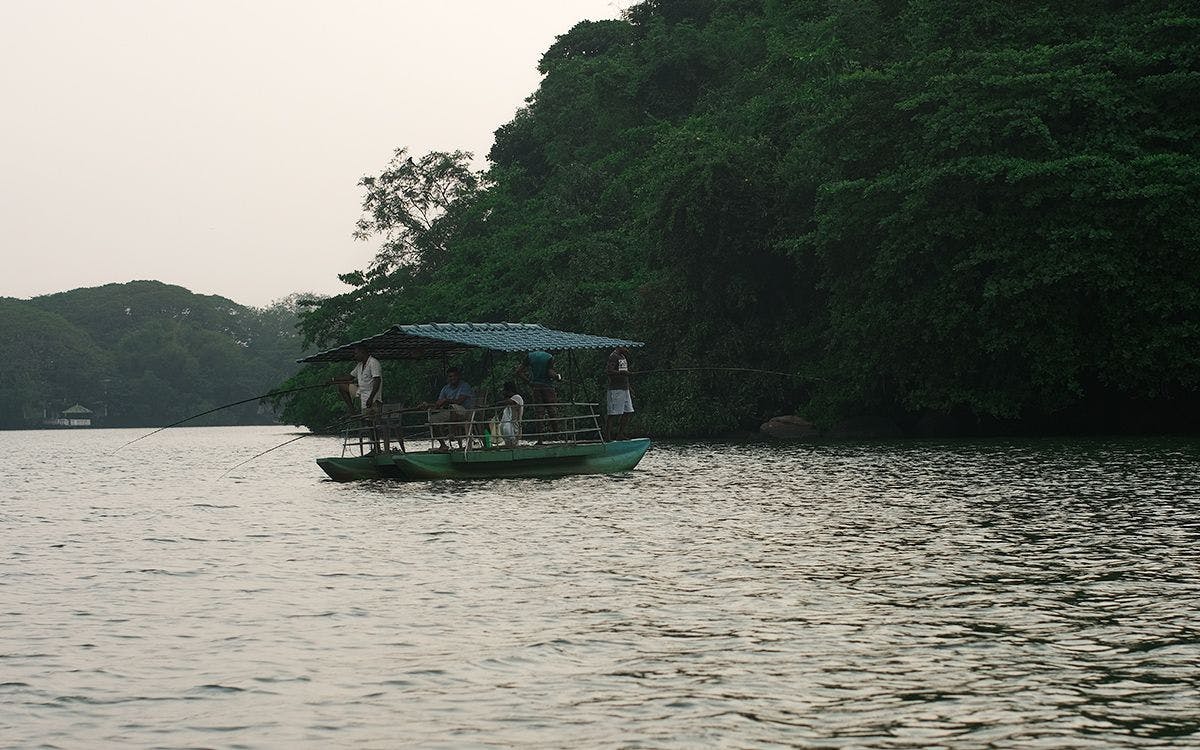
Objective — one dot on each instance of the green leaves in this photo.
(144, 352)
(414, 207)
(924, 205)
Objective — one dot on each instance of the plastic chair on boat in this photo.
(391, 426)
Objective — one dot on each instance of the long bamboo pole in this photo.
(219, 408)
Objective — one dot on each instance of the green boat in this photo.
(569, 441)
(551, 460)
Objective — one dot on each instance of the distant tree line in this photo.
(956, 216)
(142, 353)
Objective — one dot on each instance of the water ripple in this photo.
(886, 595)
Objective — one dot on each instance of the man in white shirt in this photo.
(364, 383)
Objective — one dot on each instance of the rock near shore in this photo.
(789, 426)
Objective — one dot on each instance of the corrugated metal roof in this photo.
(435, 340)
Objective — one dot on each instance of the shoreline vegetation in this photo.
(947, 220)
(141, 354)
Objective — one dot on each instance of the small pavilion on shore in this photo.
(73, 416)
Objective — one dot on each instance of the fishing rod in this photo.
(219, 408)
(268, 450)
(781, 373)
(314, 433)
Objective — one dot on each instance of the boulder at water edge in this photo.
(789, 426)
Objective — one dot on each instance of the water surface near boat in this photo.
(969, 594)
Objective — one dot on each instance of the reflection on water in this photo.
(1032, 594)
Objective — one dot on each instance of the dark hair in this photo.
(509, 387)
(453, 369)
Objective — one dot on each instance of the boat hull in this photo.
(497, 463)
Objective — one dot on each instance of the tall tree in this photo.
(919, 206)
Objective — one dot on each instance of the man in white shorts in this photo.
(620, 396)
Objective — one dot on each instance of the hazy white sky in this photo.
(216, 144)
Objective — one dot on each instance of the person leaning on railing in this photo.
(456, 402)
(538, 370)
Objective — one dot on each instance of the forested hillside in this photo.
(143, 353)
(956, 216)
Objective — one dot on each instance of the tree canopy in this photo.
(922, 207)
(141, 353)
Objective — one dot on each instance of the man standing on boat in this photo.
(365, 382)
(620, 395)
(538, 370)
(457, 400)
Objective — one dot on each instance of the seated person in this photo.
(510, 418)
(457, 402)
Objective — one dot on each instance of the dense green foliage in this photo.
(144, 352)
(985, 209)
(38, 346)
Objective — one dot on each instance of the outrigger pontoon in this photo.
(569, 441)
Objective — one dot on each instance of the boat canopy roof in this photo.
(435, 340)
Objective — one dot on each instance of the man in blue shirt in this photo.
(456, 401)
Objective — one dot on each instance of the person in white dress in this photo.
(510, 418)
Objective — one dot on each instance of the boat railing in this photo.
(481, 428)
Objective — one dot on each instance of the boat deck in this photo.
(569, 442)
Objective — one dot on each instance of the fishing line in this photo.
(256, 455)
(719, 369)
(219, 408)
(796, 375)
(331, 425)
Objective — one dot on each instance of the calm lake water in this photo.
(1019, 594)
